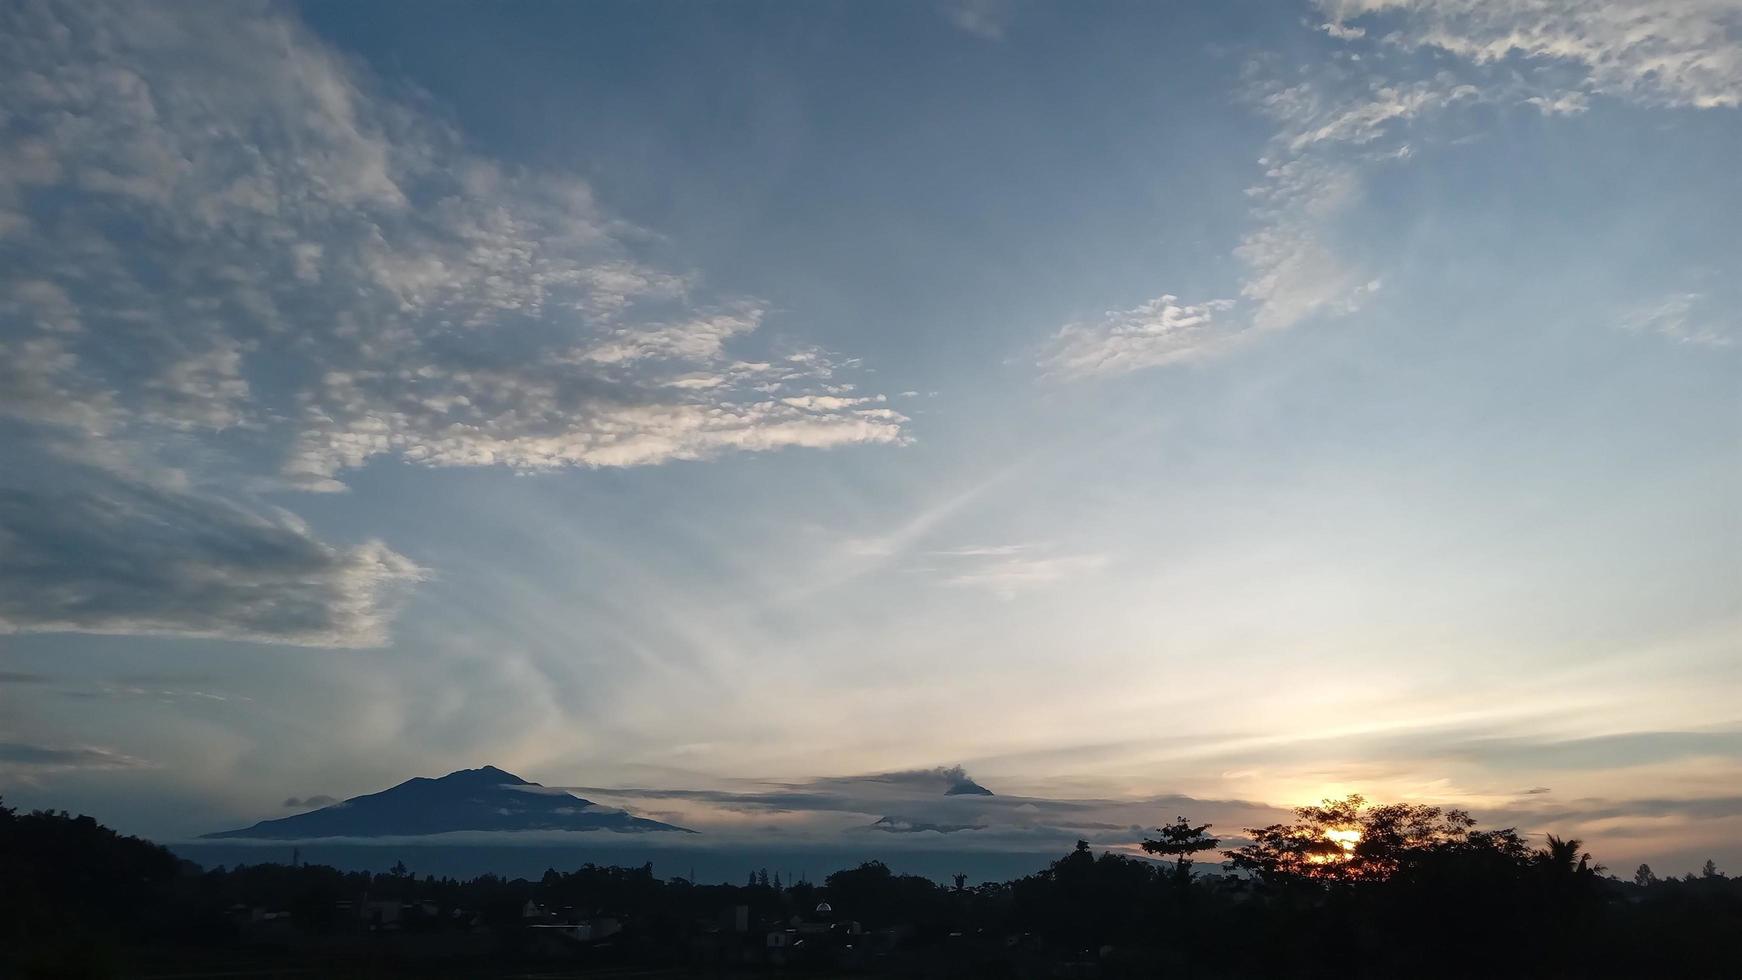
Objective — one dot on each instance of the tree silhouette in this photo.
(1180, 840)
(1312, 847)
(1401, 891)
(1567, 857)
(1346, 840)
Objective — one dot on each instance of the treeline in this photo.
(1344, 890)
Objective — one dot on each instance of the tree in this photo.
(1346, 840)
(1180, 840)
(1710, 870)
(1567, 857)
(1644, 877)
(71, 886)
(873, 894)
(1311, 847)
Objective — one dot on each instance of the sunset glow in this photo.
(1345, 839)
(1145, 409)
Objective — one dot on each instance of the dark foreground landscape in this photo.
(1346, 890)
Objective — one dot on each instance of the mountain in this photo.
(967, 787)
(471, 799)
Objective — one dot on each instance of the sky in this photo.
(746, 412)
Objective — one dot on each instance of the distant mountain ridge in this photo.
(485, 799)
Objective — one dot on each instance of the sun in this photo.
(1345, 839)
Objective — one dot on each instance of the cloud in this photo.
(121, 558)
(310, 803)
(914, 805)
(1596, 752)
(1330, 131)
(1155, 333)
(1621, 831)
(333, 272)
(1007, 570)
(1681, 317)
(1293, 268)
(948, 780)
(982, 551)
(1012, 575)
(1335, 123)
(1565, 104)
(902, 825)
(309, 226)
(983, 19)
(164, 695)
(165, 677)
(30, 756)
(1659, 52)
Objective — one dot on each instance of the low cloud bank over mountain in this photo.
(486, 799)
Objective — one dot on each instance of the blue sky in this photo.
(1243, 403)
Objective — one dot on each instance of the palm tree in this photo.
(1567, 857)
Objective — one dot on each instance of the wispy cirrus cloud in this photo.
(1336, 124)
(26, 758)
(1006, 570)
(1292, 267)
(1159, 332)
(1682, 317)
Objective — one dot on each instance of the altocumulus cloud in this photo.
(1660, 52)
(235, 258)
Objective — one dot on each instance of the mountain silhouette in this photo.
(486, 799)
(967, 787)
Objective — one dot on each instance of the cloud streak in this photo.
(28, 757)
(132, 560)
(1159, 332)
(916, 806)
(1007, 570)
(1680, 317)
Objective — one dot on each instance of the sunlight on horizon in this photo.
(1349, 406)
(1345, 839)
